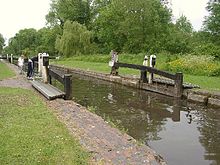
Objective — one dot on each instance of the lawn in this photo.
(31, 134)
(205, 82)
(5, 72)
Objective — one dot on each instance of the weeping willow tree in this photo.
(76, 40)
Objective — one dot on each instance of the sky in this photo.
(194, 10)
(20, 14)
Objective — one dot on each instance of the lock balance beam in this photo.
(49, 91)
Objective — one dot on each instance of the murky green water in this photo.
(182, 133)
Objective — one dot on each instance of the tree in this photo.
(212, 22)
(47, 39)
(132, 26)
(177, 41)
(73, 10)
(25, 41)
(180, 35)
(76, 39)
(184, 25)
(2, 42)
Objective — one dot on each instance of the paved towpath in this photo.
(106, 144)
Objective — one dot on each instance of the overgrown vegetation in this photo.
(31, 134)
(196, 65)
(5, 72)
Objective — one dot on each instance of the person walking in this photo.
(21, 63)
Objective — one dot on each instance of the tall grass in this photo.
(196, 65)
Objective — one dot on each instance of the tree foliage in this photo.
(76, 39)
(2, 42)
(73, 10)
(47, 40)
(212, 22)
(25, 41)
(184, 25)
(132, 26)
(30, 41)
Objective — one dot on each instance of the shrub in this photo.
(209, 48)
(197, 65)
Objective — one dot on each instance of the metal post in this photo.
(179, 85)
(68, 86)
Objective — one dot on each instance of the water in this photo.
(182, 133)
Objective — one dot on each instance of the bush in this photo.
(209, 48)
(196, 65)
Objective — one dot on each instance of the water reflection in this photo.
(183, 133)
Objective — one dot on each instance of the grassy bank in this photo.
(99, 63)
(31, 134)
(5, 72)
(205, 82)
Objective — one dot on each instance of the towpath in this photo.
(106, 144)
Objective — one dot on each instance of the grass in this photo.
(90, 63)
(31, 134)
(205, 82)
(94, 66)
(5, 72)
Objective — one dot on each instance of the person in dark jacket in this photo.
(30, 69)
(34, 60)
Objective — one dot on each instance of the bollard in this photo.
(11, 59)
(68, 86)
(40, 63)
(45, 67)
(152, 64)
(179, 85)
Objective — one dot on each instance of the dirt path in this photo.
(106, 144)
(19, 81)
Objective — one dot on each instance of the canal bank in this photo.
(107, 145)
(195, 95)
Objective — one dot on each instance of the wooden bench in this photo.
(49, 91)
